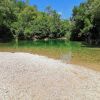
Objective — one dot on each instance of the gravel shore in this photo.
(24, 76)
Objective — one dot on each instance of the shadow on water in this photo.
(84, 44)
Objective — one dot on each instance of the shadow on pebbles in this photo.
(24, 76)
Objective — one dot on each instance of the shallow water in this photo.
(69, 52)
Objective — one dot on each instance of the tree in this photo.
(7, 16)
(19, 20)
(85, 21)
(27, 17)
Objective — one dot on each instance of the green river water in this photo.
(69, 52)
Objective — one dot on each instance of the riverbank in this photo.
(26, 76)
(77, 53)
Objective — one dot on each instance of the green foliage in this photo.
(25, 21)
(19, 20)
(7, 16)
(86, 22)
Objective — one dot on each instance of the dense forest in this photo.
(21, 21)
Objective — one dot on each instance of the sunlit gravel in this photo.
(24, 76)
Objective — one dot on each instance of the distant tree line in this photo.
(21, 21)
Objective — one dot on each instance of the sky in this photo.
(63, 7)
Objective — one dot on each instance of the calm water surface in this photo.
(69, 52)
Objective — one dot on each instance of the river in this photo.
(69, 52)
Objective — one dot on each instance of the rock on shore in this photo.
(24, 76)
